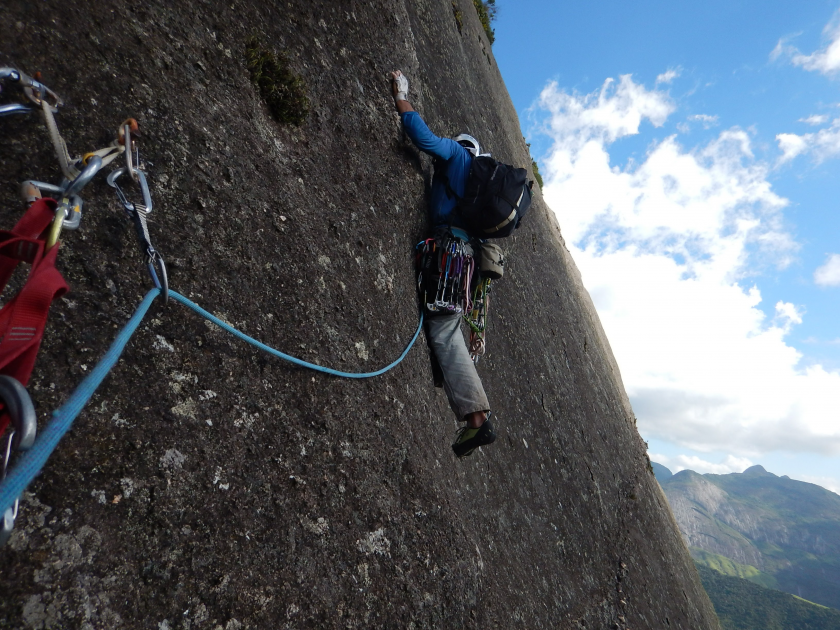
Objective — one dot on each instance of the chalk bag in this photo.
(492, 261)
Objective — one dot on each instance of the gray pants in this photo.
(460, 380)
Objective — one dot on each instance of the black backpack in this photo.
(495, 199)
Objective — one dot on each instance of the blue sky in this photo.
(691, 152)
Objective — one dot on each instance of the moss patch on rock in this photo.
(486, 10)
(282, 90)
(459, 17)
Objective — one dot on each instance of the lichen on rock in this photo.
(282, 90)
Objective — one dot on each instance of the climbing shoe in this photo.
(470, 439)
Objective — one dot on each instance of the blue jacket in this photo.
(457, 162)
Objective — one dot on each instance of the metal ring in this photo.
(21, 411)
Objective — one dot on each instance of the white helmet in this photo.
(469, 143)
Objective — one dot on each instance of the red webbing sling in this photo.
(24, 317)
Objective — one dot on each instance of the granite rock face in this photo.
(208, 485)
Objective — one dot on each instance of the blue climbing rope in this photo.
(312, 366)
(30, 462)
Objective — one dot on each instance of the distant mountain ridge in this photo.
(774, 531)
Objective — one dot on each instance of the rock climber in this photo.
(460, 379)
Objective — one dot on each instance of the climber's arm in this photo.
(414, 126)
(403, 106)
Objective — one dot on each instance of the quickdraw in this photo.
(476, 319)
(138, 213)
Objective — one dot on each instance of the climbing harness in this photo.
(24, 317)
(22, 323)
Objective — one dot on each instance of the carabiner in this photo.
(83, 178)
(34, 90)
(144, 189)
(14, 108)
(21, 412)
(24, 423)
(9, 73)
(69, 210)
(132, 160)
(72, 208)
(159, 275)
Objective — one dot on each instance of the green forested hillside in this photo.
(742, 605)
(724, 565)
(774, 531)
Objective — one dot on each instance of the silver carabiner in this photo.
(159, 275)
(24, 424)
(34, 90)
(144, 190)
(14, 108)
(132, 159)
(83, 178)
(9, 73)
(21, 411)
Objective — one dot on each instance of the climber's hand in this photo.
(399, 86)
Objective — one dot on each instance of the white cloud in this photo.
(828, 275)
(783, 49)
(827, 59)
(615, 111)
(707, 121)
(665, 248)
(822, 145)
(787, 315)
(731, 464)
(669, 75)
(816, 119)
